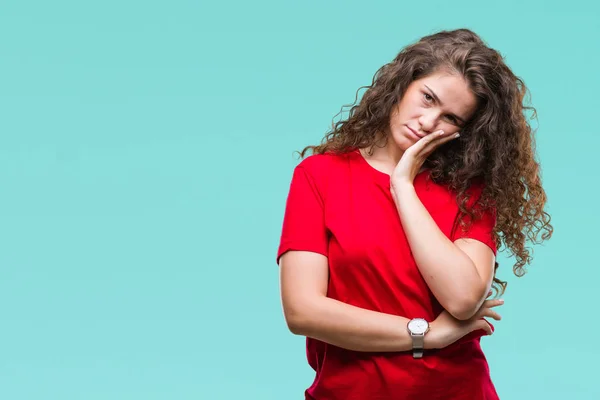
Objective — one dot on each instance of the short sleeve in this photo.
(481, 227)
(304, 218)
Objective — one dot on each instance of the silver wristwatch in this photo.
(418, 327)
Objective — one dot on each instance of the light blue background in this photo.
(146, 150)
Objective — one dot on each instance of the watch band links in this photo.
(418, 345)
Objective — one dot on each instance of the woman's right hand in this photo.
(446, 329)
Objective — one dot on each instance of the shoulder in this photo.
(320, 166)
(323, 172)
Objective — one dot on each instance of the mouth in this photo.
(414, 133)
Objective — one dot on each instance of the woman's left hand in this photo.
(413, 158)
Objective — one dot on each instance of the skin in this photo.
(309, 312)
(304, 275)
(431, 113)
(419, 110)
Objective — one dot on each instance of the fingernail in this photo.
(440, 132)
(457, 135)
(501, 301)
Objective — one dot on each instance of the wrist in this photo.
(429, 342)
(401, 184)
(433, 338)
(417, 329)
(401, 189)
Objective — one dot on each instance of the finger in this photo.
(491, 314)
(421, 144)
(437, 140)
(442, 137)
(483, 324)
(488, 327)
(435, 135)
(492, 303)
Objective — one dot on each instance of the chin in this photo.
(403, 143)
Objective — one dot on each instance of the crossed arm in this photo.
(459, 273)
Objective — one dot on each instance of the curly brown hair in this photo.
(496, 146)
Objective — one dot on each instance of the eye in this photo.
(428, 97)
(454, 120)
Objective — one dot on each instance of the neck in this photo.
(386, 152)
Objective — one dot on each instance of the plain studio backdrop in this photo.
(146, 151)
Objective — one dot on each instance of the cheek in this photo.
(395, 118)
(449, 128)
(407, 112)
(417, 109)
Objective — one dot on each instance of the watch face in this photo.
(418, 326)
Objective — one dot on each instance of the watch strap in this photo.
(418, 345)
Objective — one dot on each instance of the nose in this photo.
(428, 121)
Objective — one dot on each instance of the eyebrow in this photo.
(438, 100)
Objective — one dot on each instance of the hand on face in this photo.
(413, 158)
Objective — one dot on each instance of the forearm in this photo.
(449, 272)
(354, 328)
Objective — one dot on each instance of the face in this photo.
(440, 101)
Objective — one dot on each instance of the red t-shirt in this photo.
(340, 206)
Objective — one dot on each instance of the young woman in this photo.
(391, 228)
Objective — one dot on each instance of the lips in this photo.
(414, 132)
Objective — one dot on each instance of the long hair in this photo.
(496, 146)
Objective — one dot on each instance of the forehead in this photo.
(453, 92)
